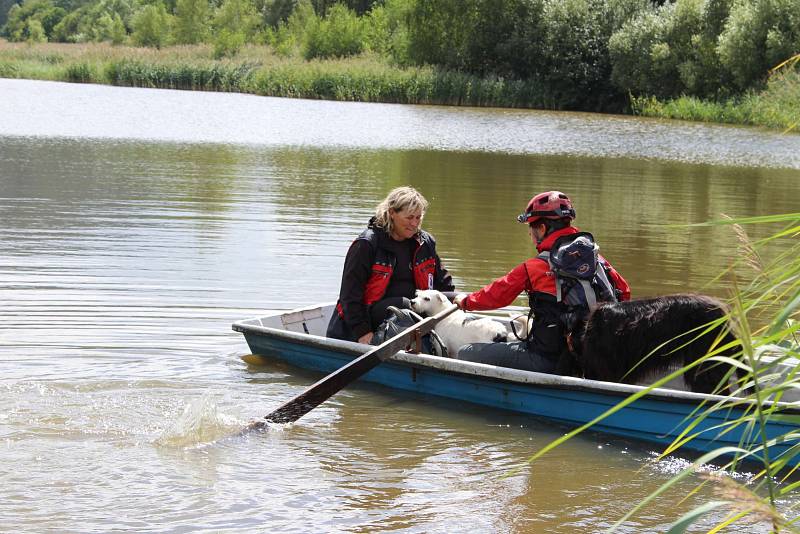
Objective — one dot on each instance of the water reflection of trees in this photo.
(295, 210)
(148, 174)
(634, 207)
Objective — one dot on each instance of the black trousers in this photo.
(514, 355)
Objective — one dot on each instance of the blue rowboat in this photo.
(659, 416)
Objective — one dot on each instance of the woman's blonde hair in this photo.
(399, 199)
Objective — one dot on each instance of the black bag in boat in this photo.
(403, 319)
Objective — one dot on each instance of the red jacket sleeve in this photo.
(499, 293)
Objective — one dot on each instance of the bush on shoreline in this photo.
(777, 106)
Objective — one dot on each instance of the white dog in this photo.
(522, 325)
(458, 328)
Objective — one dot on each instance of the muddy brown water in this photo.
(137, 225)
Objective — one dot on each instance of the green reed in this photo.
(201, 76)
(258, 71)
(768, 356)
(366, 78)
(370, 81)
(81, 72)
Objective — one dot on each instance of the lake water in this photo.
(137, 225)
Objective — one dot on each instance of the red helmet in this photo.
(548, 205)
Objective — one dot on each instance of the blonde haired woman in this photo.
(385, 265)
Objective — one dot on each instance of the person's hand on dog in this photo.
(459, 300)
(366, 338)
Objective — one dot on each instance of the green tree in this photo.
(508, 39)
(151, 26)
(35, 32)
(563, 44)
(5, 6)
(288, 38)
(386, 31)
(50, 17)
(277, 11)
(19, 25)
(633, 49)
(109, 27)
(321, 7)
(191, 21)
(235, 23)
(118, 31)
(440, 32)
(101, 20)
(759, 35)
(67, 29)
(340, 34)
(236, 16)
(227, 43)
(672, 51)
(577, 66)
(104, 28)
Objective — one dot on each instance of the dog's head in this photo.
(429, 302)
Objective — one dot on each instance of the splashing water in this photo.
(199, 424)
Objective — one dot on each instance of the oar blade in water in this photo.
(318, 393)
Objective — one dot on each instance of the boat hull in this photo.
(659, 416)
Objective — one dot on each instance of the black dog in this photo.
(640, 339)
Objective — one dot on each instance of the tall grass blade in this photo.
(680, 526)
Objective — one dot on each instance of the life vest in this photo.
(423, 268)
(547, 335)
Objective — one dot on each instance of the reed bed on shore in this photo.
(368, 80)
(778, 106)
(365, 78)
(257, 71)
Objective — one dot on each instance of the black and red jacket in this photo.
(367, 276)
(534, 277)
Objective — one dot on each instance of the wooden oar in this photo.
(324, 389)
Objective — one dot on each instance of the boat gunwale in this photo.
(504, 374)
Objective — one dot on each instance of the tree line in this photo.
(583, 54)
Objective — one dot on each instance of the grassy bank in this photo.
(778, 106)
(256, 70)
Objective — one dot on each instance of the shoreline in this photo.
(257, 71)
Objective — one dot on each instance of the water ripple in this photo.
(202, 117)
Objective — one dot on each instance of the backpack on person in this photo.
(581, 278)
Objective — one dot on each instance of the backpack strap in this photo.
(588, 291)
(546, 257)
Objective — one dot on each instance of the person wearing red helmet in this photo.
(549, 217)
